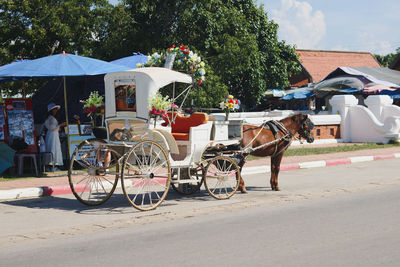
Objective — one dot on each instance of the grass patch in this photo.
(304, 151)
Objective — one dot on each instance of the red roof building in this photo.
(317, 64)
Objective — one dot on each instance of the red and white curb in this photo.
(32, 192)
(318, 163)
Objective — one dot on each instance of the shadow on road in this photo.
(117, 204)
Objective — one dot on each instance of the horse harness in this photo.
(275, 127)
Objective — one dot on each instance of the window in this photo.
(125, 95)
(318, 132)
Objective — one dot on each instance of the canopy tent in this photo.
(373, 79)
(131, 61)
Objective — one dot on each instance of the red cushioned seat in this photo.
(181, 128)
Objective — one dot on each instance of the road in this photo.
(335, 216)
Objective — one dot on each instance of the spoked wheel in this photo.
(189, 188)
(93, 172)
(146, 175)
(222, 177)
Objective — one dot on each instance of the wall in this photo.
(379, 122)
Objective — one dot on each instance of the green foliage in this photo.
(33, 28)
(386, 60)
(159, 102)
(94, 99)
(235, 39)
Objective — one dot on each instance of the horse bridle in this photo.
(306, 128)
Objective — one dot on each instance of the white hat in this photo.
(52, 106)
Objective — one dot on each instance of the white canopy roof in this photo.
(148, 81)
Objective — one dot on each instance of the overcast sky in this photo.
(350, 25)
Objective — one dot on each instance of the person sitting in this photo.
(52, 139)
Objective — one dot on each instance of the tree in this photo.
(37, 28)
(386, 60)
(234, 36)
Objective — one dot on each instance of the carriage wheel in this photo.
(190, 188)
(222, 177)
(93, 172)
(146, 175)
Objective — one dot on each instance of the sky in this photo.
(343, 25)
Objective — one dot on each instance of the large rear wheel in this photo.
(93, 172)
(146, 175)
(222, 177)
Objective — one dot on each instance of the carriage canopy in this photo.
(127, 92)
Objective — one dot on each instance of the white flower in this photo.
(222, 105)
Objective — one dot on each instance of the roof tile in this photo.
(320, 63)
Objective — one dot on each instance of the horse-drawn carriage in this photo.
(145, 160)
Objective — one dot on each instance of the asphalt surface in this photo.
(343, 215)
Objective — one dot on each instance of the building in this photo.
(317, 64)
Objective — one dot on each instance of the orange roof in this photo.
(320, 63)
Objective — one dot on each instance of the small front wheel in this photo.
(222, 177)
(146, 175)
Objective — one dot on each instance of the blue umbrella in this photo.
(60, 65)
(6, 157)
(131, 61)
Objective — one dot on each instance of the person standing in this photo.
(52, 139)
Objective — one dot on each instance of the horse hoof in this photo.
(243, 190)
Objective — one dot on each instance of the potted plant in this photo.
(93, 107)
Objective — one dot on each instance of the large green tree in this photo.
(37, 28)
(31, 28)
(235, 37)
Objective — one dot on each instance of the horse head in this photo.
(306, 126)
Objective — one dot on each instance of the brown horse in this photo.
(272, 139)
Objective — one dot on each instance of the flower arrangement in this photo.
(230, 104)
(158, 106)
(185, 60)
(93, 106)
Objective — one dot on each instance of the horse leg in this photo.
(242, 186)
(275, 167)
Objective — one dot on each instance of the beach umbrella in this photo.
(6, 157)
(60, 65)
(131, 61)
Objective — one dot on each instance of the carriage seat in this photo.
(180, 130)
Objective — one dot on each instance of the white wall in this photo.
(378, 122)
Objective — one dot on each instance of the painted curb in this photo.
(312, 164)
(33, 192)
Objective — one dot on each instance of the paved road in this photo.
(336, 216)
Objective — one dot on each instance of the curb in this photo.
(33, 192)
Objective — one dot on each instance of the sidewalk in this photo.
(46, 186)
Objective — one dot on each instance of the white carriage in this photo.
(147, 157)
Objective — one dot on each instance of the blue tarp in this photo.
(393, 94)
(350, 90)
(131, 61)
(300, 93)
